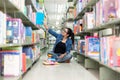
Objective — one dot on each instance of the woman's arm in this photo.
(51, 31)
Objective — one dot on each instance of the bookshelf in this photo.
(87, 8)
(106, 71)
(30, 2)
(11, 9)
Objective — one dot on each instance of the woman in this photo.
(63, 44)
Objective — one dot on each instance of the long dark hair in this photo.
(71, 34)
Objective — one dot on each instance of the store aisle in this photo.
(64, 71)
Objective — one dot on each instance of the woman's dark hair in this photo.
(71, 34)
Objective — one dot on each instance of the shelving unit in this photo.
(86, 9)
(109, 24)
(106, 72)
(97, 64)
(9, 8)
(14, 12)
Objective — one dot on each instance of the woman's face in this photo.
(64, 32)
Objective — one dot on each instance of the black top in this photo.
(60, 48)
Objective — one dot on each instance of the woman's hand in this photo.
(62, 55)
(46, 26)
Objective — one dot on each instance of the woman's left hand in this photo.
(62, 55)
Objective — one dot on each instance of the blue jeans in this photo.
(56, 56)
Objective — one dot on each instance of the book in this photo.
(92, 45)
(109, 12)
(116, 52)
(13, 30)
(28, 34)
(2, 28)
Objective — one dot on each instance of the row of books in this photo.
(80, 5)
(12, 30)
(14, 60)
(28, 10)
(105, 49)
(100, 14)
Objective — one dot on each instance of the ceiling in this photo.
(56, 10)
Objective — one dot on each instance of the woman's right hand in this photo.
(45, 25)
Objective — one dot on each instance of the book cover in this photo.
(109, 12)
(13, 30)
(116, 52)
(92, 46)
(12, 63)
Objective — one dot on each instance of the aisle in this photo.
(64, 71)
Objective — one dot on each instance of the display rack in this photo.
(9, 8)
(86, 9)
(106, 72)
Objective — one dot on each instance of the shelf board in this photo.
(8, 5)
(75, 2)
(26, 21)
(70, 0)
(109, 24)
(86, 9)
(83, 33)
(30, 2)
(69, 20)
(116, 69)
(15, 45)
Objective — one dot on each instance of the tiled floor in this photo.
(64, 71)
